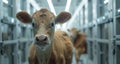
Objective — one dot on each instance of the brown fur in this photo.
(59, 49)
(79, 42)
(66, 43)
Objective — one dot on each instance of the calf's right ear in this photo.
(63, 17)
(24, 17)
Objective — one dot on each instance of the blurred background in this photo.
(99, 19)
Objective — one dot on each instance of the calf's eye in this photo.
(52, 24)
(33, 24)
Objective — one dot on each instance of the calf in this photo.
(48, 47)
(79, 42)
(64, 43)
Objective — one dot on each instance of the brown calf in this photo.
(48, 47)
(79, 42)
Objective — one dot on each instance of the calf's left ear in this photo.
(63, 17)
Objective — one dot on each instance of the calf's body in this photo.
(79, 42)
(60, 53)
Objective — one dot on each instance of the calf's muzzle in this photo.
(41, 38)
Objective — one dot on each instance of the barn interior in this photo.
(98, 19)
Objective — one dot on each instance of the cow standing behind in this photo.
(48, 47)
(79, 42)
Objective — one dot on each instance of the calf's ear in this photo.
(24, 17)
(63, 17)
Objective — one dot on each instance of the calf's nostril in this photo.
(45, 39)
(37, 38)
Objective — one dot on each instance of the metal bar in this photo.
(10, 42)
(117, 42)
(25, 40)
(103, 21)
(91, 25)
(118, 16)
(8, 20)
(103, 41)
(90, 39)
(117, 36)
(0, 41)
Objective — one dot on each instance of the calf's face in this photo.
(43, 22)
(73, 33)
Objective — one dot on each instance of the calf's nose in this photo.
(41, 38)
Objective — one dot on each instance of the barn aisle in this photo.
(95, 38)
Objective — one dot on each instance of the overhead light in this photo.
(118, 10)
(103, 17)
(35, 5)
(12, 20)
(51, 6)
(5, 1)
(105, 1)
(98, 20)
(67, 9)
(68, 5)
(80, 6)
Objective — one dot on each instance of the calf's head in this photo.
(43, 22)
(73, 33)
